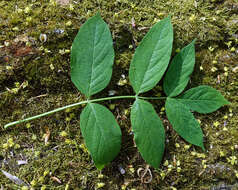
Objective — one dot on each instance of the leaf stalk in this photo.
(74, 105)
(77, 104)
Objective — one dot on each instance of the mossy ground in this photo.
(34, 78)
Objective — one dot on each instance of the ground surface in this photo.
(35, 39)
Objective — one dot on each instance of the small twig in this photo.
(33, 98)
(145, 171)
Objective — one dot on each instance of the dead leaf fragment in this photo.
(23, 51)
(235, 69)
(55, 179)
(21, 162)
(47, 136)
(13, 178)
(62, 2)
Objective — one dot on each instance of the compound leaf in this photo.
(148, 131)
(183, 122)
(151, 57)
(101, 133)
(92, 57)
(203, 99)
(178, 74)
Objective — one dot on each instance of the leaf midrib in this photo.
(144, 122)
(101, 132)
(149, 61)
(177, 83)
(91, 71)
(190, 100)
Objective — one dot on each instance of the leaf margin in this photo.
(171, 115)
(76, 69)
(90, 142)
(178, 74)
(139, 135)
(215, 103)
(133, 74)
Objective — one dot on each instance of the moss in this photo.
(45, 66)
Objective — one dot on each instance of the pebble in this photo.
(121, 169)
(235, 69)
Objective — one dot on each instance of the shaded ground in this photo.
(34, 78)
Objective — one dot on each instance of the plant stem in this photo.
(44, 114)
(77, 104)
(152, 98)
(110, 98)
(63, 108)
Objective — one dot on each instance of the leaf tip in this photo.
(168, 19)
(202, 146)
(97, 16)
(194, 40)
(157, 165)
(99, 166)
(227, 102)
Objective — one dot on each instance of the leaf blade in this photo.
(203, 99)
(92, 57)
(151, 57)
(183, 122)
(149, 133)
(178, 74)
(102, 134)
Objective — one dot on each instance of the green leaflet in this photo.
(184, 122)
(203, 99)
(148, 131)
(151, 57)
(92, 57)
(178, 74)
(101, 133)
